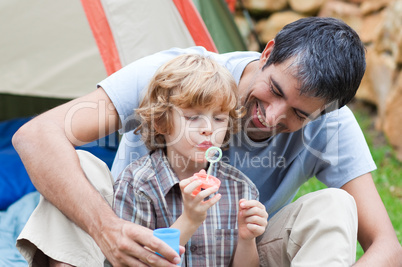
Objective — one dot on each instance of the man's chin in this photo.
(257, 134)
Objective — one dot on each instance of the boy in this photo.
(179, 122)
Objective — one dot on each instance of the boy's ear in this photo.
(266, 53)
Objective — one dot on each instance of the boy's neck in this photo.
(184, 167)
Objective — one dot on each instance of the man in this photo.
(313, 66)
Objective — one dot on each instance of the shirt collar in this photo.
(167, 179)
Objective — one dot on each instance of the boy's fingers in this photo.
(257, 220)
(190, 187)
(246, 204)
(206, 192)
(213, 201)
(261, 213)
(185, 182)
(257, 230)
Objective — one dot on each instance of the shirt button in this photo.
(193, 248)
(199, 251)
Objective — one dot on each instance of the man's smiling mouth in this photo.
(260, 118)
(260, 123)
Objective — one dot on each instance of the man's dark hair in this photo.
(328, 57)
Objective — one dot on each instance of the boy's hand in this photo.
(195, 208)
(252, 219)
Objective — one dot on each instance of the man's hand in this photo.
(252, 219)
(128, 244)
(376, 234)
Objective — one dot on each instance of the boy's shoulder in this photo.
(228, 172)
(139, 171)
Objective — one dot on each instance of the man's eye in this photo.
(301, 118)
(271, 88)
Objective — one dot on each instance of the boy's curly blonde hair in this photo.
(186, 81)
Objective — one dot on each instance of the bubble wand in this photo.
(216, 150)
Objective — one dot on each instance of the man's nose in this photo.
(275, 113)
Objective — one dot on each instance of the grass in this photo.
(387, 177)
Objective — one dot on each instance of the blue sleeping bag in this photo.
(18, 196)
(14, 180)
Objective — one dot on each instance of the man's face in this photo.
(274, 104)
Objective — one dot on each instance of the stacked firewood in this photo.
(379, 24)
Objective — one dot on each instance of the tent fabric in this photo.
(47, 49)
(221, 25)
(145, 27)
(125, 31)
(195, 24)
(62, 49)
(102, 34)
(50, 49)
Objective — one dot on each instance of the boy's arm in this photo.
(246, 254)
(252, 221)
(194, 208)
(376, 234)
(46, 147)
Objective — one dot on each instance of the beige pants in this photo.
(319, 229)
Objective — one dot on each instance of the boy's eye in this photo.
(191, 118)
(220, 119)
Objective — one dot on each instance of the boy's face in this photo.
(195, 130)
(274, 104)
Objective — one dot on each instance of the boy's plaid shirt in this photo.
(148, 193)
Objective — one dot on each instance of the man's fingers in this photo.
(163, 249)
(137, 238)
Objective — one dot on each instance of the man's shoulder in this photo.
(340, 119)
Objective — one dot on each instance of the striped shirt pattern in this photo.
(147, 193)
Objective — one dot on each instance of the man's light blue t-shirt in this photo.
(331, 148)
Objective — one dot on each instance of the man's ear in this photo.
(266, 52)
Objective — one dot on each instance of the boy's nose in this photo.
(206, 126)
(206, 132)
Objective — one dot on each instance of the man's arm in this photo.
(376, 234)
(46, 147)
